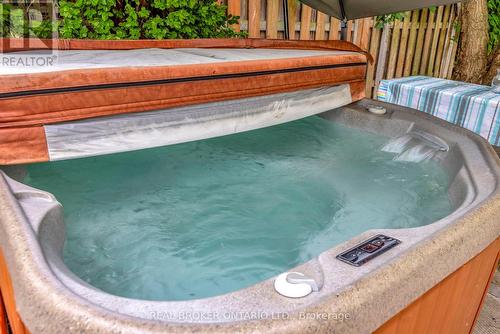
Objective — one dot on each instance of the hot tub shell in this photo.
(43, 296)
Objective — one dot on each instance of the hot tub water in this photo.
(204, 218)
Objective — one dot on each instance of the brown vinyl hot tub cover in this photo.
(92, 79)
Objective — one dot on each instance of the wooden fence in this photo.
(423, 43)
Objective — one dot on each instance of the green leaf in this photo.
(134, 19)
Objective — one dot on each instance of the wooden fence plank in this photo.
(234, 8)
(454, 47)
(254, 18)
(435, 37)
(305, 22)
(364, 32)
(445, 59)
(452, 60)
(382, 54)
(334, 28)
(420, 42)
(403, 45)
(350, 24)
(272, 19)
(320, 26)
(370, 71)
(442, 40)
(410, 53)
(356, 36)
(427, 42)
(393, 53)
(292, 18)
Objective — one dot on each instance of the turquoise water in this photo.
(204, 218)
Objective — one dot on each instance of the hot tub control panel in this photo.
(368, 250)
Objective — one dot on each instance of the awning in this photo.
(355, 9)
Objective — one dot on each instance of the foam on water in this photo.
(204, 218)
(415, 146)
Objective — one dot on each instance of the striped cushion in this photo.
(471, 106)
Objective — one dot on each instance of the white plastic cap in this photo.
(291, 290)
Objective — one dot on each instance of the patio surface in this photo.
(489, 319)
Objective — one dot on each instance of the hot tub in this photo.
(460, 248)
(434, 267)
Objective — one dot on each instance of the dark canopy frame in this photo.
(355, 9)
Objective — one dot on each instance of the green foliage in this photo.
(124, 19)
(4, 20)
(138, 19)
(494, 23)
(382, 20)
(14, 23)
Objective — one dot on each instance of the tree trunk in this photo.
(492, 66)
(472, 57)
